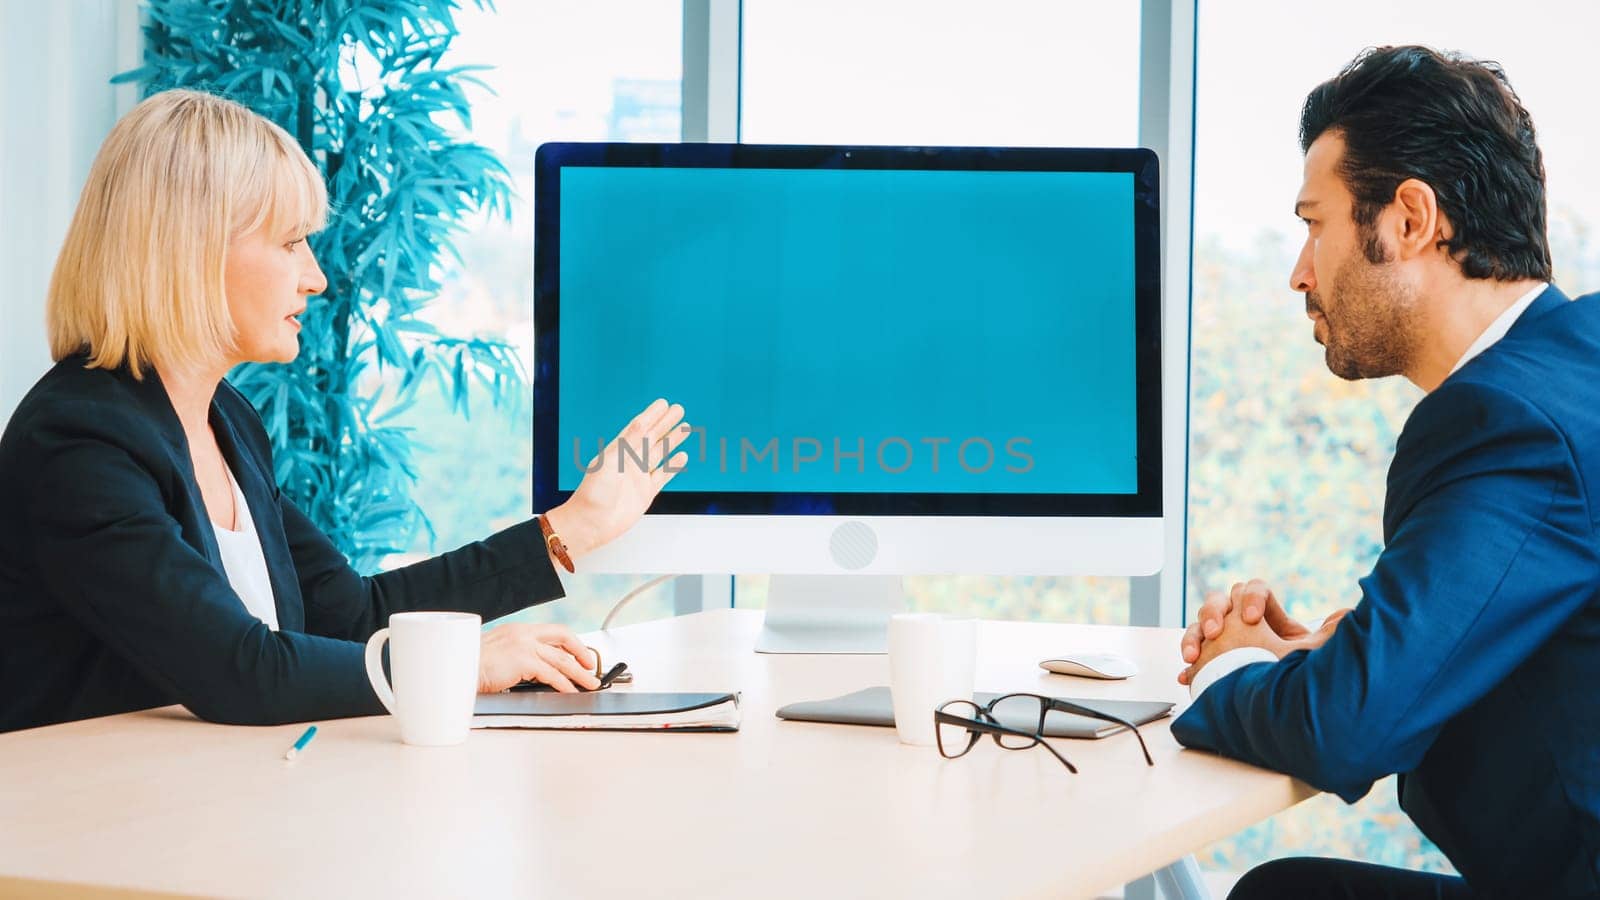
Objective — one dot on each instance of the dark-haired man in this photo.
(1471, 664)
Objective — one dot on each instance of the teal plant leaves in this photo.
(362, 87)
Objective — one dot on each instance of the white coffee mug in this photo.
(932, 658)
(433, 658)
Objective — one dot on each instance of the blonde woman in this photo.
(146, 555)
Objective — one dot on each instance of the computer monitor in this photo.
(901, 360)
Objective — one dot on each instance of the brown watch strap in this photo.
(558, 548)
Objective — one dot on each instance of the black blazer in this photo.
(112, 592)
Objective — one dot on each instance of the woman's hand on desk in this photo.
(623, 480)
(551, 654)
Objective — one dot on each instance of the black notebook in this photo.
(874, 706)
(609, 710)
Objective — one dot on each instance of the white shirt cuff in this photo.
(1226, 663)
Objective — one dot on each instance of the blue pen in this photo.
(301, 744)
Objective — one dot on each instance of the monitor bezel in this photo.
(1145, 502)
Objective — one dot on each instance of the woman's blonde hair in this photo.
(139, 281)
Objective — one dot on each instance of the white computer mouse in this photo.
(1092, 665)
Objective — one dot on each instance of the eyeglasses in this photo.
(1014, 721)
(617, 674)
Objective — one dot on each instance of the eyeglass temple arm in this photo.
(1053, 752)
(986, 725)
(1067, 706)
(995, 726)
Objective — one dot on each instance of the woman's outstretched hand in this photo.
(623, 480)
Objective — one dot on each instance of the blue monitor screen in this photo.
(855, 331)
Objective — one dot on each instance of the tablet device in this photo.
(873, 706)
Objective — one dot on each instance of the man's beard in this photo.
(1371, 333)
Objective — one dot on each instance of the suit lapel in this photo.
(152, 396)
(257, 487)
(1397, 498)
(254, 483)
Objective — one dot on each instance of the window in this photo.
(1034, 73)
(564, 70)
(1287, 463)
(938, 72)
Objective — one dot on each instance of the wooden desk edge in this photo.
(12, 886)
(1185, 840)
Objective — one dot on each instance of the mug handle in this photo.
(380, 684)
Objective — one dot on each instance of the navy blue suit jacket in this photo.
(112, 592)
(1471, 665)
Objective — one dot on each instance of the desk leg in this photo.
(1182, 880)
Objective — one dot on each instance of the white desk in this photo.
(158, 801)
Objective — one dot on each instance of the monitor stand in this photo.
(830, 613)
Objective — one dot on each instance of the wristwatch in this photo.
(558, 548)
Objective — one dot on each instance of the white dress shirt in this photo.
(1240, 657)
(244, 561)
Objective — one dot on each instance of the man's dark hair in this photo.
(1455, 124)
